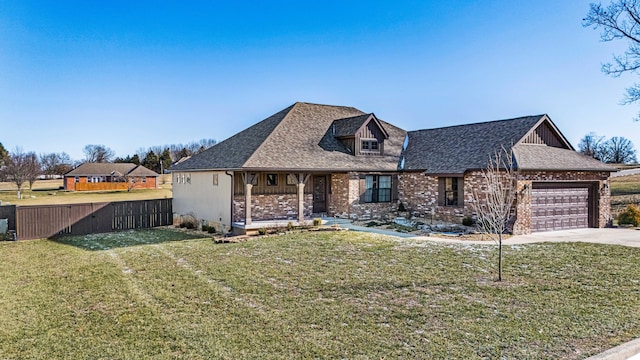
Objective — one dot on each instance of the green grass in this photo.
(625, 185)
(311, 295)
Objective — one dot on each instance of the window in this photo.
(77, 179)
(272, 179)
(291, 180)
(370, 146)
(144, 179)
(450, 191)
(378, 188)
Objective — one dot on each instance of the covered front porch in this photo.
(275, 199)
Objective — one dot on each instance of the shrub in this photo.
(209, 229)
(630, 216)
(401, 207)
(317, 222)
(262, 231)
(189, 221)
(289, 226)
(468, 221)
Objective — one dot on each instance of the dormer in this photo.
(363, 135)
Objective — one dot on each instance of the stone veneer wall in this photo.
(339, 199)
(272, 207)
(418, 193)
(345, 200)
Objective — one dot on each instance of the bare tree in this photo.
(55, 163)
(591, 145)
(618, 150)
(620, 20)
(20, 168)
(130, 180)
(33, 168)
(494, 201)
(98, 153)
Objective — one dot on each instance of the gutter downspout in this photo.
(232, 196)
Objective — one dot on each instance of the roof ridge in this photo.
(356, 116)
(482, 123)
(329, 105)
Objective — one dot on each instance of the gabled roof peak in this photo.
(350, 126)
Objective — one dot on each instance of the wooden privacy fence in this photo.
(46, 221)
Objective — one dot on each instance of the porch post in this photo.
(247, 178)
(302, 179)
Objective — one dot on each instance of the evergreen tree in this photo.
(152, 162)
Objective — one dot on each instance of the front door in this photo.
(319, 194)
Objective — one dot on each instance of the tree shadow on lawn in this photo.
(107, 241)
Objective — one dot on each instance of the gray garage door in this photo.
(559, 209)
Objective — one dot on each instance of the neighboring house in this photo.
(110, 176)
(313, 159)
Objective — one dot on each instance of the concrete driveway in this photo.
(613, 236)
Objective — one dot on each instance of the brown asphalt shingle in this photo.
(456, 149)
(541, 157)
(304, 137)
(107, 169)
(297, 138)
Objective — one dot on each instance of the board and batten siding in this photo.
(206, 194)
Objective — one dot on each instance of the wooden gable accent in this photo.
(545, 133)
(370, 130)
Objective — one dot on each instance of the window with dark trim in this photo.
(370, 146)
(450, 191)
(272, 179)
(291, 180)
(377, 188)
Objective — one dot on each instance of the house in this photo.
(110, 176)
(311, 159)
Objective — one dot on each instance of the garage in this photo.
(560, 207)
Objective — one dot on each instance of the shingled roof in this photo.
(457, 149)
(109, 169)
(349, 126)
(541, 157)
(298, 138)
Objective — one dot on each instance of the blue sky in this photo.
(134, 74)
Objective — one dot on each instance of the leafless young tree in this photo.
(34, 170)
(22, 167)
(620, 20)
(494, 201)
(130, 180)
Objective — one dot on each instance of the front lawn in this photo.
(313, 295)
